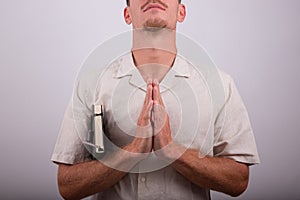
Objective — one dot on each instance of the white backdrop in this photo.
(43, 43)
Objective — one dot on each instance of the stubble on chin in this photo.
(155, 23)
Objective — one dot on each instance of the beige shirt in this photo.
(215, 123)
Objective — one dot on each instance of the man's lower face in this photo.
(155, 23)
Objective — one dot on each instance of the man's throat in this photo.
(153, 56)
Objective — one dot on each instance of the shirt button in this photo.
(143, 179)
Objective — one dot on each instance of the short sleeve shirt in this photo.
(216, 126)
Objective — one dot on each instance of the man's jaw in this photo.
(155, 24)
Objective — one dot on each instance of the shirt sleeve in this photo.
(69, 148)
(234, 136)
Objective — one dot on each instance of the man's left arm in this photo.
(216, 173)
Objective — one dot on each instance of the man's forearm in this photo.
(84, 179)
(220, 174)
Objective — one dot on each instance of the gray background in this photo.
(43, 43)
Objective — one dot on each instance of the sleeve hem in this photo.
(243, 159)
(64, 159)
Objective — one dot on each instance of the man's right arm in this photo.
(84, 179)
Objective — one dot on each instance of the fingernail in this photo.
(156, 82)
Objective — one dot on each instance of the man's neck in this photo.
(157, 46)
(145, 56)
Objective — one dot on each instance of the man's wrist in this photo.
(170, 152)
(133, 151)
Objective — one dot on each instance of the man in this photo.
(190, 172)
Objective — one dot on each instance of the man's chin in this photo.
(154, 29)
(155, 25)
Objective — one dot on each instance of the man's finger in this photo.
(149, 108)
(156, 93)
(149, 92)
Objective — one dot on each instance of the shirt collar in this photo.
(180, 69)
(126, 66)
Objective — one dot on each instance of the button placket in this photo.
(142, 187)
